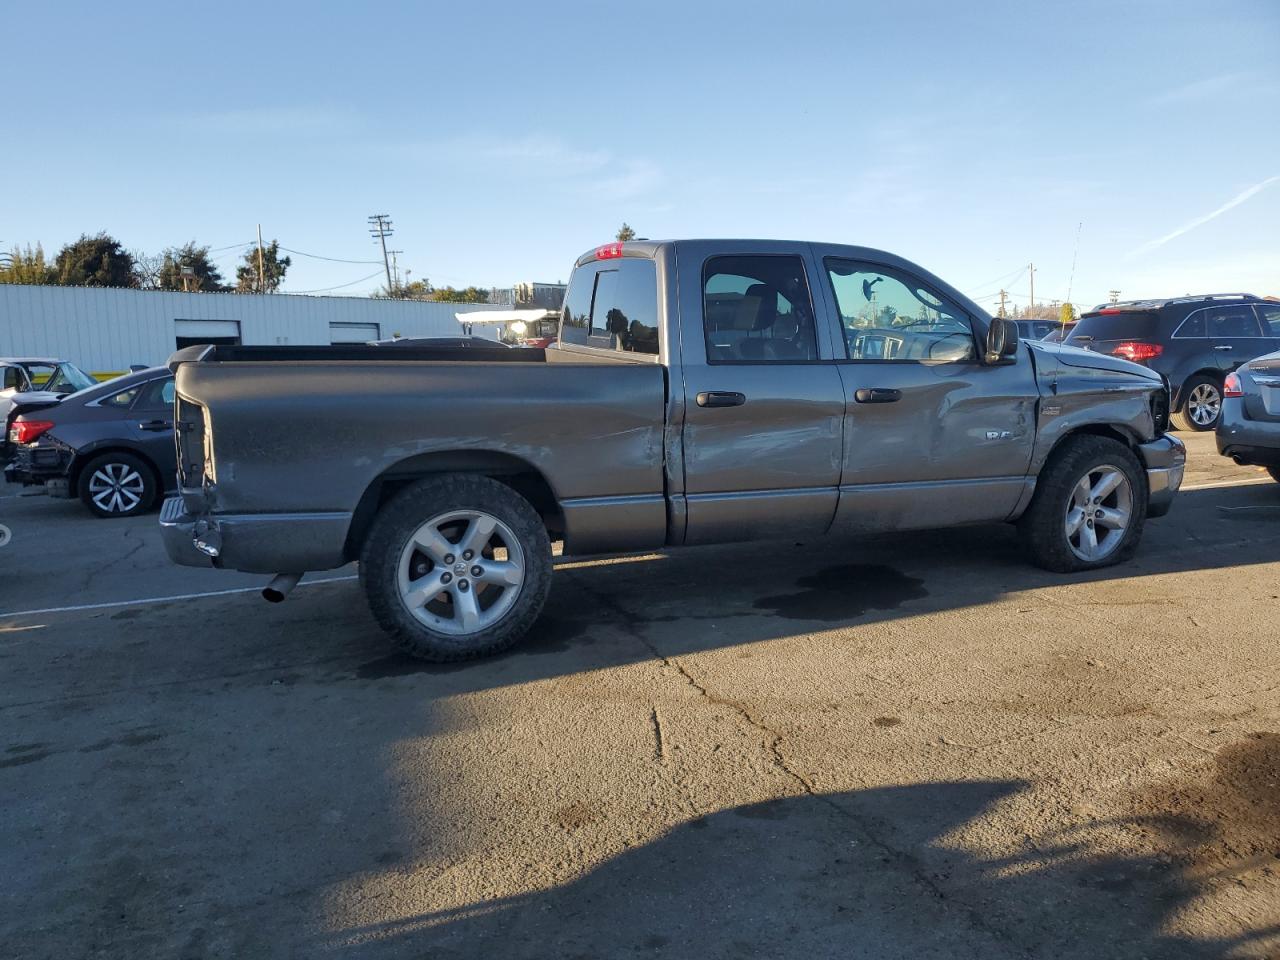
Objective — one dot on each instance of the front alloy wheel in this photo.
(1098, 513)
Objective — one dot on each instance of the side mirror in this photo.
(1002, 342)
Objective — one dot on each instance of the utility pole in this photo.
(262, 274)
(1031, 267)
(1004, 295)
(1113, 296)
(395, 268)
(380, 224)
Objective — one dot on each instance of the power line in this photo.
(1015, 274)
(340, 286)
(316, 256)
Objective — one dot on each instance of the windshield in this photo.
(58, 377)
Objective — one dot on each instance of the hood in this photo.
(1075, 357)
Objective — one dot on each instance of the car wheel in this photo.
(456, 567)
(1203, 404)
(117, 485)
(1089, 507)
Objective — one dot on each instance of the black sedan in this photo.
(1249, 426)
(111, 444)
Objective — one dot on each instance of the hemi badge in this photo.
(1050, 411)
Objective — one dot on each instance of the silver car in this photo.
(1249, 429)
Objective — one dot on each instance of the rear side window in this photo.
(1270, 316)
(613, 305)
(124, 398)
(1234, 321)
(757, 310)
(158, 395)
(1192, 328)
(1125, 325)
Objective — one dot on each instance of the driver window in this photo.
(889, 315)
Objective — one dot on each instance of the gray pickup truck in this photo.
(700, 391)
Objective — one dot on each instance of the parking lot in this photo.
(908, 747)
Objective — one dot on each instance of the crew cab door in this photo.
(932, 436)
(764, 405)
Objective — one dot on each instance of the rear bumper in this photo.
(1252, 442)
(1166, 461)
(255, 542)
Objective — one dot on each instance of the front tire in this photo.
(1202, 405)
(1089, 507)
(117, 485)
(456, 567)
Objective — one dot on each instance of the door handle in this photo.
(1225, 346)
(721, 398)
(877, 395)
(155, 425)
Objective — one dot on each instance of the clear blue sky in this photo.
(504, 139)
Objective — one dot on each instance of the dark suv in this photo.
(1193, 341)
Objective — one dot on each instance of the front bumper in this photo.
(1166, 461)
(254, 542)
(1255, 442)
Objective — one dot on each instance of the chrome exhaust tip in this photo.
(281, 586)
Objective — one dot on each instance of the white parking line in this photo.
(147, 600)
(1218, 484)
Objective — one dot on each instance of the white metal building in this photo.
(106, 329)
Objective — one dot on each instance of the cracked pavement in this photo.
(918, 747)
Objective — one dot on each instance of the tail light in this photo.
(1136, 350)
(1231, 386)
(25, 431)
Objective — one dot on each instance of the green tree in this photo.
(273, 268)
(97, 261)
(1067, 314)
(625, 232)
(469, 295)
(204, 275)
(26, 266)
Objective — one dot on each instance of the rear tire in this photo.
(1201, 404)
(1066, 529)
(456, 567)
(117, 485)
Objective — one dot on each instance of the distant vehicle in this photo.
(1249, 428)
(1193, 342)
(481, 342)
(776, 390)
(1036, 329)
(110, 445)
(30, 382)
(1059, 333)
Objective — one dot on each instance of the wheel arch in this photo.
(511, 471)
(1180, 392)
(1111, 431)
(86, 456)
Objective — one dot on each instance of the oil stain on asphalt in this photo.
(845, 592)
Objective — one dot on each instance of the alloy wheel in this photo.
(1098, 512)
(461, 572)
(1204, 404)
(117, 488)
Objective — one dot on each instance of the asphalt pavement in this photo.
(913, 746)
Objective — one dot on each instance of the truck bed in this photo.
(316, 432)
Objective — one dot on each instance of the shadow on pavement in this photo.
(859, 874)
